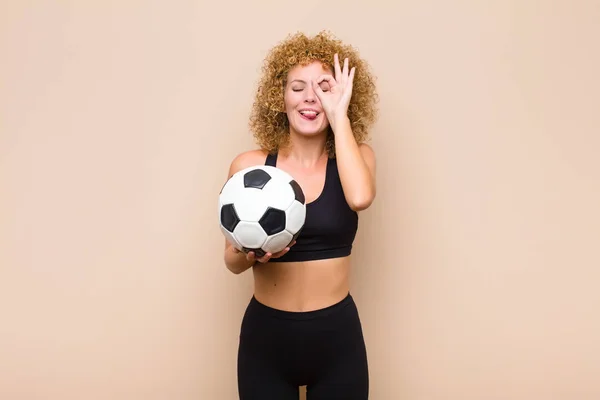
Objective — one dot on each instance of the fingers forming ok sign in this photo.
(335, 98)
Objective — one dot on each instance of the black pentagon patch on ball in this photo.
(273, 221)
(298, 193)
(256, 178)
(229, 218)
(258, 253)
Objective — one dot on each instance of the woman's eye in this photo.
(297, 90)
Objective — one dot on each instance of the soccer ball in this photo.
(261, 209)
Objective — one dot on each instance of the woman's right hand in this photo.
(251, 256)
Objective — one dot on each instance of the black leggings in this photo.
(282, 350)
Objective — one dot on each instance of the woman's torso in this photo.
(302, 283)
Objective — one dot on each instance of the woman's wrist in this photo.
(236, 260)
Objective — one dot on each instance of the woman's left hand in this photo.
(335, 98)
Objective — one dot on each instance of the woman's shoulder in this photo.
(247, 159)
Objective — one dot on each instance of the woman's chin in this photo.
(310, 131)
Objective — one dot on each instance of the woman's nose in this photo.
(310, 95)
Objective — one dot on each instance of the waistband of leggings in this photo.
(301, 315)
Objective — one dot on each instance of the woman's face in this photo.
(302, 106)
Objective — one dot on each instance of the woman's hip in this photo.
(328, 327)
(304, 346)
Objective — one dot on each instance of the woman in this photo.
(310, 117)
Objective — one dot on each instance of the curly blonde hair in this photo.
(268, 120)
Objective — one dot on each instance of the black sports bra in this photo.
(330, 226)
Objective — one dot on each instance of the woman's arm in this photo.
(356, 163)
(236, 261)
(356, 166)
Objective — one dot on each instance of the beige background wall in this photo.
(476, 271)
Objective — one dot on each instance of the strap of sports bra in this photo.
(271, 160)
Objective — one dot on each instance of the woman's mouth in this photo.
(309, 115)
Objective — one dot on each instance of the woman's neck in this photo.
(305, 151)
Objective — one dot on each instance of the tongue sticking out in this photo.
(311, 116)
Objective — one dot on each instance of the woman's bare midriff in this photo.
(302, 286)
